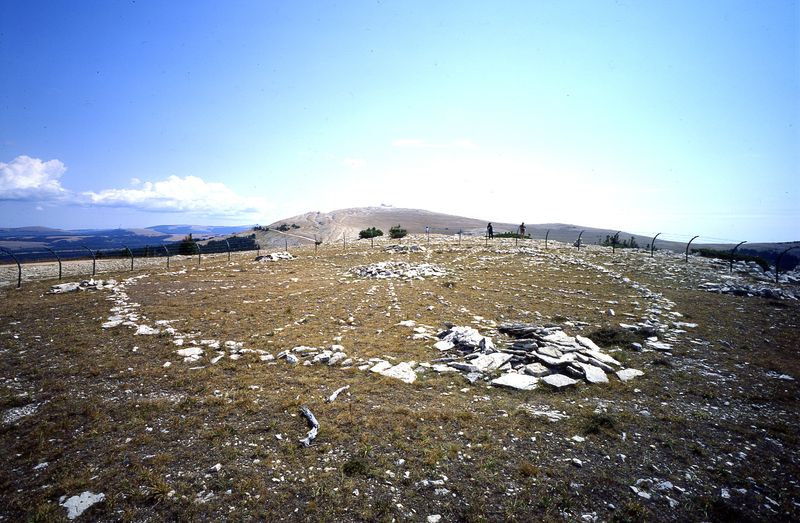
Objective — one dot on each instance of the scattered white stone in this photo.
(191, 354)
(17, 413)
(76, 505)
(145, 330)
(275, 256)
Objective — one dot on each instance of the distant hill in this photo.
(29, 242)
(332, 226)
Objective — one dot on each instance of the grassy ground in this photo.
(110, 418)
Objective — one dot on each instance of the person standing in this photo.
(490, 231)
(522, 230)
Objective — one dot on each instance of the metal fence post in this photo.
(229, 249)
(166, 249)
(653, 244)
(19, 267)
(197, 245)
(94, 259)
(778, 262)
(130, 252)
(57, 258)
(687, 247)
(733, 251)
(545, 238)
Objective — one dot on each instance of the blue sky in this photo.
(680, 117)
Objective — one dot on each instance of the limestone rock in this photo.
(629, 374)
(559, 381)
(516, 381)
(593, 374)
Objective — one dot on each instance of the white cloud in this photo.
(175, 194)
(26, 178)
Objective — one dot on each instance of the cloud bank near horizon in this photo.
(34, 180)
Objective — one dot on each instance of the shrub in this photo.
(397, 232)
(371, 232)
(187, 246)
(511, 235)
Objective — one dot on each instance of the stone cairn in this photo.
(538, 353)
(275, 256)
(398, 269)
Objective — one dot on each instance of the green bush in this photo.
(397, 232)
(187, 246)
(613, 241)
(371, 232)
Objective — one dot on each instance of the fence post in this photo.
(344, 243)
(778, 262)
(286, 244)
(316, 244)
(459, 237)
(733, 251)
(578, 241)
(57, 258)
(165, 248)
(19, 267)
(94, 260)
(130, 253)
(653, 244)
(197, 245)
(614, 242)
(547, 235)
(687, 247)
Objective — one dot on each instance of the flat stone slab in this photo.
(593, 374)
(402, 371)
(537, 370)
(559, 381)
(490, 362)
(380, 367)
(516, 381)
(629, 374)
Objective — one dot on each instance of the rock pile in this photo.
(82, 286)
(399, 249)
(395, 269)
(275, 256)
(544, 354)
(334, 355)
(744, 289)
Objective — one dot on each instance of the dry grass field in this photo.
(709, 432)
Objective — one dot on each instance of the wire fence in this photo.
(46, 263)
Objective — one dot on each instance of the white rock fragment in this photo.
(77, 505)
(17, 413)
(191, 354)
(402, 371)
(629, 374)
(559, 381)
(145, 330)
(516, 381)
